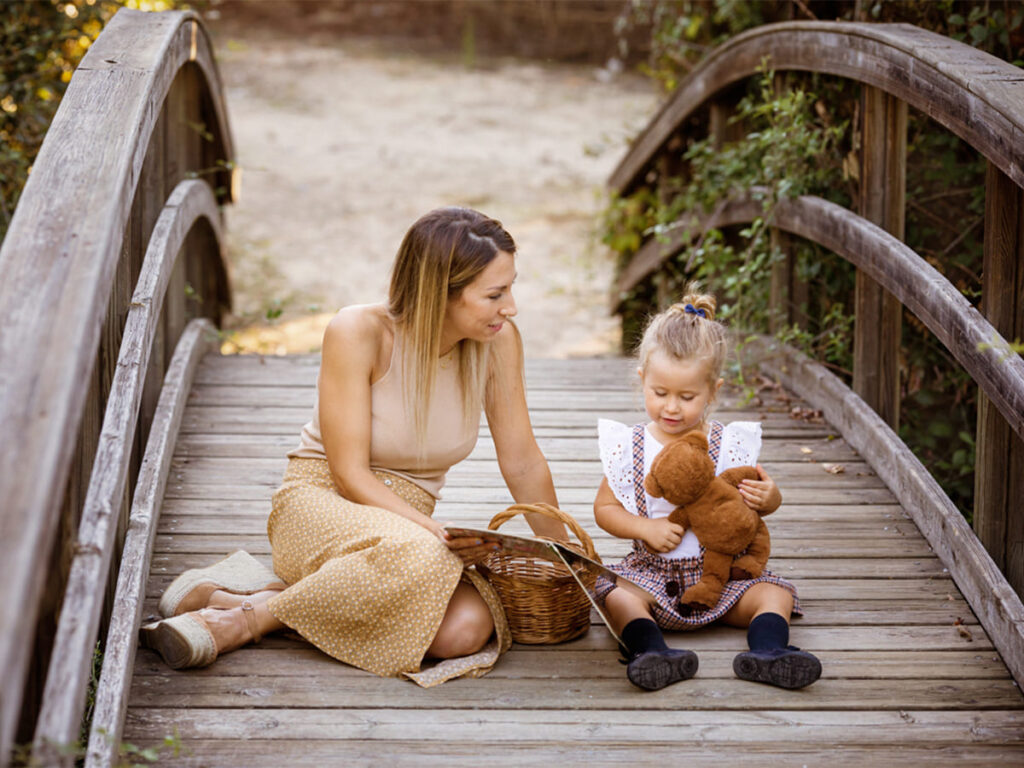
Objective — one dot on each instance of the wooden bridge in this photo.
(111, 274)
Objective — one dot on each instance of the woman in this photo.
(371, 578)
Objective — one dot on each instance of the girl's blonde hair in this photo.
(440, 255)
(687, 331)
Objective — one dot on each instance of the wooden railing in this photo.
(114, 247)
(981, 99)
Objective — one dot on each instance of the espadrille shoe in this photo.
(188, 640)
(239, 573)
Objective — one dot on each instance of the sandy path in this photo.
(343, 146)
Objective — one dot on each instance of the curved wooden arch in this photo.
(57, 264)
(981, 99)
(191, 202)
(111, 697)
(892, 264)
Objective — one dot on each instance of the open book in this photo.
(556, 553)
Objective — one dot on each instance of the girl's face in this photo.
(677, 393)
(484, 305)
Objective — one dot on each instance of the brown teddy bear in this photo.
(684, 474)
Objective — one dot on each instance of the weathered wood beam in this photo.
(909, 278)
(995, 602)
(877, 315)
(199, 337)
(980, 99)
(70, 664)
(999, 456)
(58, 262)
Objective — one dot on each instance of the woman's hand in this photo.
(660, 535)
(761, 495)
(470, 550)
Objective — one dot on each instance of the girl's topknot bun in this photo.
(699, 300)
(687, 330)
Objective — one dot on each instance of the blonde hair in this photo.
(440, 255)
(687, 331)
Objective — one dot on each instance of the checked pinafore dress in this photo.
(667, 577)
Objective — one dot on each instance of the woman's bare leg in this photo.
(466, 627)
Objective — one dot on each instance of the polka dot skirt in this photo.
(368, 586)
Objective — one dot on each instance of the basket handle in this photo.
(548, 511)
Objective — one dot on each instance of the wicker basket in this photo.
(542, 600)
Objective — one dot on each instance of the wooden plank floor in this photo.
(909, 674)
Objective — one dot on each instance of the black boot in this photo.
(650, 663)
(771, 660)
(654, 670)
(787, 667)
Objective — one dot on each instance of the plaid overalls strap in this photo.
(715, 440)
(638, 470)
(714, 448)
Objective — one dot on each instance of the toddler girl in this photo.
(681, 358)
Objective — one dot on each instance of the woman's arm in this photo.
(520, 459)
(351, 350)
(657, 533)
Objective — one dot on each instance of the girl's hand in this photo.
(662, 536)
(470, 550)
(761, 495)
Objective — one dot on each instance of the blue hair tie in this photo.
(691, 310)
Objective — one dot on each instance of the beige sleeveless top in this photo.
(450, 438)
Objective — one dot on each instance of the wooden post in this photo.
(999, 458)
(787, 294)
(878, 315)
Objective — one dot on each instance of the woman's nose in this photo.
(509, 310)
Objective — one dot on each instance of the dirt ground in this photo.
(344, 143)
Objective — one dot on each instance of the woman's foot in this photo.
(228, 600)
(653, 670)
(240, 574)
(196, 639)
(787, 667)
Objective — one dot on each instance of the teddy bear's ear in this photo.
(697, 440)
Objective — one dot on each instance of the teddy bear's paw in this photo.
(697, 598)
(745, 567)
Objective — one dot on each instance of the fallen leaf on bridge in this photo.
(834, 469)
(806, 414)
(965, 633)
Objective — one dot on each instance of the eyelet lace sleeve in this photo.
(741, 445)
(615, 444)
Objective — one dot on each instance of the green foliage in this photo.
(788, 135)
(793, 143)
(44, 40)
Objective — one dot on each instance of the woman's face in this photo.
(480, 311)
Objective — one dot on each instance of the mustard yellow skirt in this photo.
(366, 585)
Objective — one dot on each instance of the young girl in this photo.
(681, 358)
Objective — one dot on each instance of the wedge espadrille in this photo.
(239, 573)
(187, 641)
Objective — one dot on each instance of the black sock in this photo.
(642, 635)
(768, 631)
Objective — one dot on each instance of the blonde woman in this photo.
(362, 570)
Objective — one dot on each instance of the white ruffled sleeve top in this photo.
(741, 445)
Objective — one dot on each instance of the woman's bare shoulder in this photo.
(359, 324)
(355, 336)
